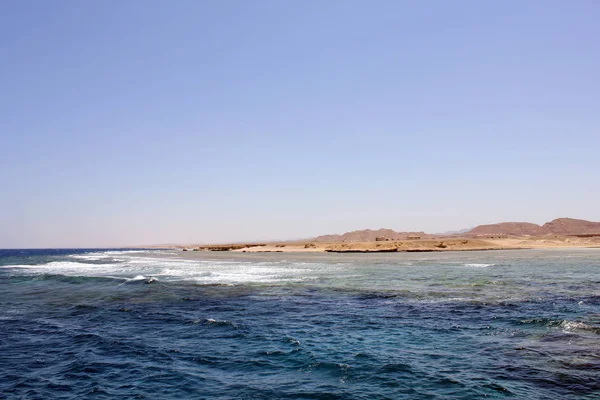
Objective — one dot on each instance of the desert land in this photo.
(559, 233)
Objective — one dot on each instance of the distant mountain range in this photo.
(560, 226)
(368, 235)
(456, 232)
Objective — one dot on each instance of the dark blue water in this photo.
(163, 324)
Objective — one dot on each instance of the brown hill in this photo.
(368, 235)
(570, 226)
(560, 226)
(506, 228)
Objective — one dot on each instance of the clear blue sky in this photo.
(136, 122)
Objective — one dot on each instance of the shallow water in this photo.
(167, 324)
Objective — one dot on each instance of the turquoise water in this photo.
(170, 325)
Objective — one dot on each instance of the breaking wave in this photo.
(475, 265)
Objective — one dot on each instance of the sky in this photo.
(151, 122)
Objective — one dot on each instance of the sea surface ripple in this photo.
(165, 324)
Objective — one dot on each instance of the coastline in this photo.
(441, 244)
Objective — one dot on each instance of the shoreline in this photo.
(442, 244)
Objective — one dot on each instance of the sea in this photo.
(167, 324)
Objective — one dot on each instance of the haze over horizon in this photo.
(149, 123)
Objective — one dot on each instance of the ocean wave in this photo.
(578, 326)
(564, 324)
(89, 257)
(206, 272)
(141, 278)
(476, 265)
(62, 265)
(214, 322)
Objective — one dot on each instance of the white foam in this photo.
(237, 273)
(121, 255)
(474, 265)
(63, 266)
(137, 267)
(575, 325)
(89, 256)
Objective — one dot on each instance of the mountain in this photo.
(570, 226)
(506, 228)
(559, 226)
(367, 235)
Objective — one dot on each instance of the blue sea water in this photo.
(163, 324)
